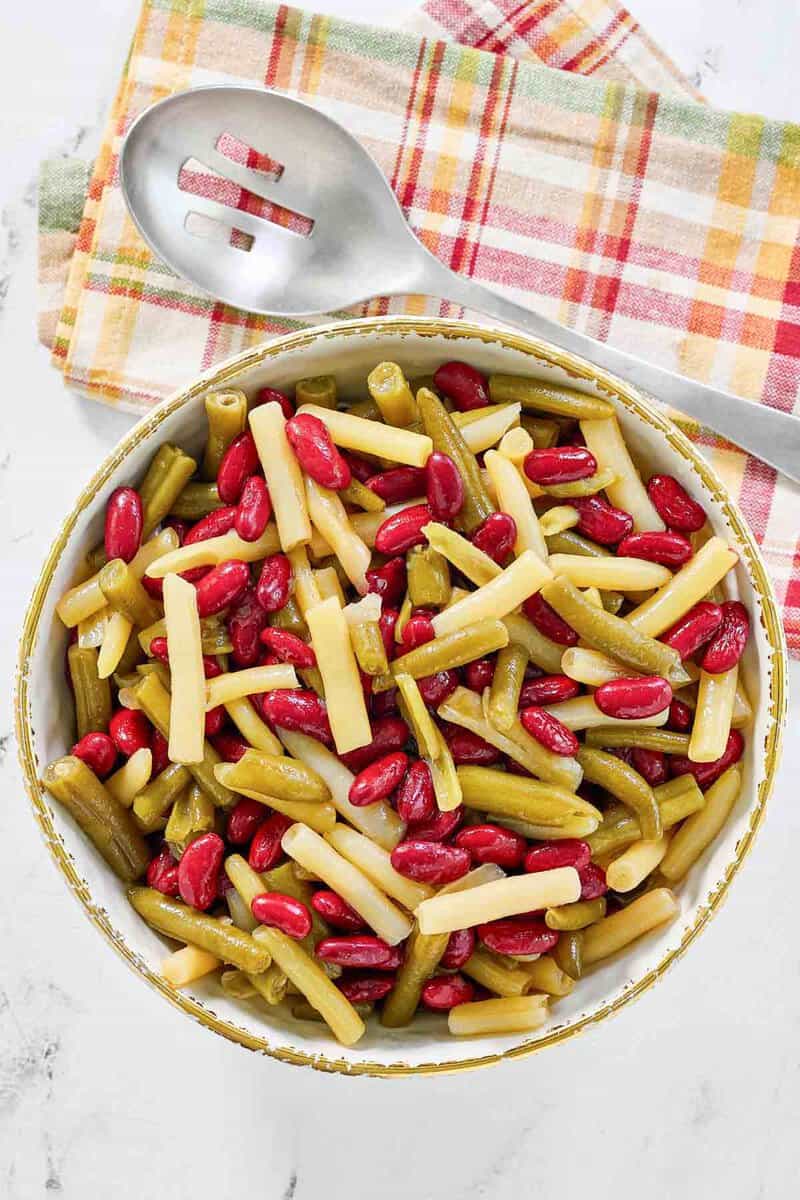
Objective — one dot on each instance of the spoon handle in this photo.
(769, 434)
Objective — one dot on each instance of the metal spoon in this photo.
(360, 245)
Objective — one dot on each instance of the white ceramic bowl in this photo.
(349, 350)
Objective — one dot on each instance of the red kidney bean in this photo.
(443, 992)
(430, 862)
(623, 752)
(470, 750)
(549, 731)
(598, 520)
(514, 768)
(570, 852)
(378, 780)
(274, 585)
(254, 509)
(361, 468)
(215, 719)
(386, 623)
(283, 912)
(243, 821)
(548, 622)
(694, 628)
(417, 630)
(365, 988)
(359, 950)
(548, 689)
(493, 844)
(632, 699)
(518, 936)
(98, 751)
(181, 527)
(269, 395)
(389, 581)
(708, 773)
(496, 536)
(403, 530)
(159, 649)
(239, 462)
(681, 717)
(445, 487)
(265, 849)
(670, 549)
(388, 734)
(123, 529)
(160, 751)
(153, 587)
(215, 524)
(435, 689)
(727, 645)
(244, 622)
(129, 730)
(439, 827)
(398, 484)
(463, 384)
(415, 799)
(289, 648)
(230, 747)
(651, 765)
(198, 870)
(336, 911)
(460, 946)
(593, 882)
(162, 873)
(298, 710)
(479, 674)
(221, 587)
(674, 504)
(559, 464)
(384, 704)
(316, 453)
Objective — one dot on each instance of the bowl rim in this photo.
(453, 330)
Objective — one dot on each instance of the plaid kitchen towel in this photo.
(600, 193)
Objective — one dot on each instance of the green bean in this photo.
(367, 409)
(303, 1011)
(154, 667)
(428, 578)
(612, 601)
(283, 879)
(289, 617)
(547, 397)
(546, 804)
(616, 776)
(279, 776)
(422, 954)
(131, 655)
(452, 650)
(126, 595)
(493, 973)
(196, 500)
(542, 652)
(676, 799)
(568, 954)
(362, 496)
(154, 801)
(237, 983)
(167, 475)
(155, 701)
(227, 418)
(96, 557)
(571, 917)
(447, 438)
(214, 635)
(544, 433)
(106, 822)
(389, 389)
(368, 648)
(271, 985)
(92, 694)
(312, 678)
(613, 635)
(319, 389)
(185, 924)
(192, 813)
(643, 737)
(570, 542)
(581, 487)
(509, 676)
(416, 382)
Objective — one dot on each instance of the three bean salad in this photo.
(425, 701)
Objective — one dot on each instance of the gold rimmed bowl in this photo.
(349, 350)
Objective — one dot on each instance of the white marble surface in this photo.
(105, 1090)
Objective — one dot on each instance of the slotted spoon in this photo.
(359, 246)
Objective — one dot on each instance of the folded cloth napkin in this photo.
(600, 193)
